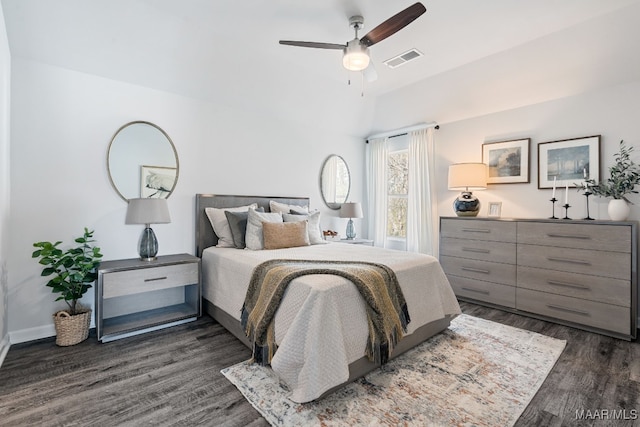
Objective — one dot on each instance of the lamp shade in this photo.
(468, 176)
(351, 210)
(148, 211)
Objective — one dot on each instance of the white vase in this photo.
(618, 210)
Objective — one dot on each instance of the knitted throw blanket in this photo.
(386, 307)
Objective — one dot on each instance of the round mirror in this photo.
(335, 181)
(142, 162)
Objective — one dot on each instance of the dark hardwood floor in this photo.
(172, 377)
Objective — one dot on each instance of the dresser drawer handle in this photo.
(570, 236)
(568, 310)
(476, 230)
(475, 270)
(568, 285)
(478, 291)
(569, 261)
(155, 278)
(477, 250)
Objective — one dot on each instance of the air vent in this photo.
(403, 58)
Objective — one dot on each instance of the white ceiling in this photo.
(227, 51)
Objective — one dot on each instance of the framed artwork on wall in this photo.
(157, 181)
(507, 161)
(568, 161)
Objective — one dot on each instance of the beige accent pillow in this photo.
(315, 234)
(278, 235)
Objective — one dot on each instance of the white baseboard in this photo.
(32, 334)
(4, 348)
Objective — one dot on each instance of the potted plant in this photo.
(623, 177)
(73, 271)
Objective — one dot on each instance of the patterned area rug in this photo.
(476, 373)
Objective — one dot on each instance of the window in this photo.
(397, 192)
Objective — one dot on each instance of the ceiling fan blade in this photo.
(393, 24)
(313, 44)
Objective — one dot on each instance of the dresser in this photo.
(135, 296)
(578, 273)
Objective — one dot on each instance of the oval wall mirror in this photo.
(335, 181)
(142, 161)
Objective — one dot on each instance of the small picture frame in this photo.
(507, 161)
(568, 162)
(494, 210)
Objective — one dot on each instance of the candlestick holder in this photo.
(587, 194)
(566, 207)
(553, 208)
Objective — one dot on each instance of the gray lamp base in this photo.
(466, 204)
(351, 231)
(148, 248)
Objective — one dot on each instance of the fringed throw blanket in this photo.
(386, 307)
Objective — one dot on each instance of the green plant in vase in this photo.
(624, 175)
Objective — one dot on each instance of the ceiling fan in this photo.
(356, 52)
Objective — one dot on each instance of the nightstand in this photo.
(356, 241)
(135, 296)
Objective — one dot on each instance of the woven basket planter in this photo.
(71, 330)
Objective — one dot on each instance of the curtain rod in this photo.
(402, 131)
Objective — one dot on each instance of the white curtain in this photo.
(422, 205)
(377, 190)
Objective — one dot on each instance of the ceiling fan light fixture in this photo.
(356, 56)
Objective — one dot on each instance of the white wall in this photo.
(5, 81)
(61, 124)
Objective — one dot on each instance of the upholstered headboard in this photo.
(205, 236)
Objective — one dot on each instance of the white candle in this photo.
(584, 172)
(566, 194)
(553, 196)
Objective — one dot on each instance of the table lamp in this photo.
(467, 177)
(147, 212)
(351, 210)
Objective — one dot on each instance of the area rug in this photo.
(476, 373)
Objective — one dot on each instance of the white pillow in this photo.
(284, 208)
(254, 239)
(315, 235)
(221, 226)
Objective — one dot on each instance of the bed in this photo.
(320, 326)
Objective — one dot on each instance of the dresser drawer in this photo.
(119, 283)
(610, 291)
(473, 229)
(597, 315)
(483, 291)
(480, 270)
(597, 263)
(615, 238)
(480, 250)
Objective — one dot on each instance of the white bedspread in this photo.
(321, 323)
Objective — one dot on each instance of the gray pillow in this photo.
(238, 225)
(254, 238)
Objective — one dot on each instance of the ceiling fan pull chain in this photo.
(362, 84)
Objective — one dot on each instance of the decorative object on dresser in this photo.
(467, 177)
(351, 210)
(494, 210)
(135, 296)
(507, 161)
(73, 272)
(569, 160)
(579, 273)
(147, 212)
(624, 175)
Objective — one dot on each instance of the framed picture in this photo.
(567, 162)
(157, 181)
(507, 161)
(495, 209)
